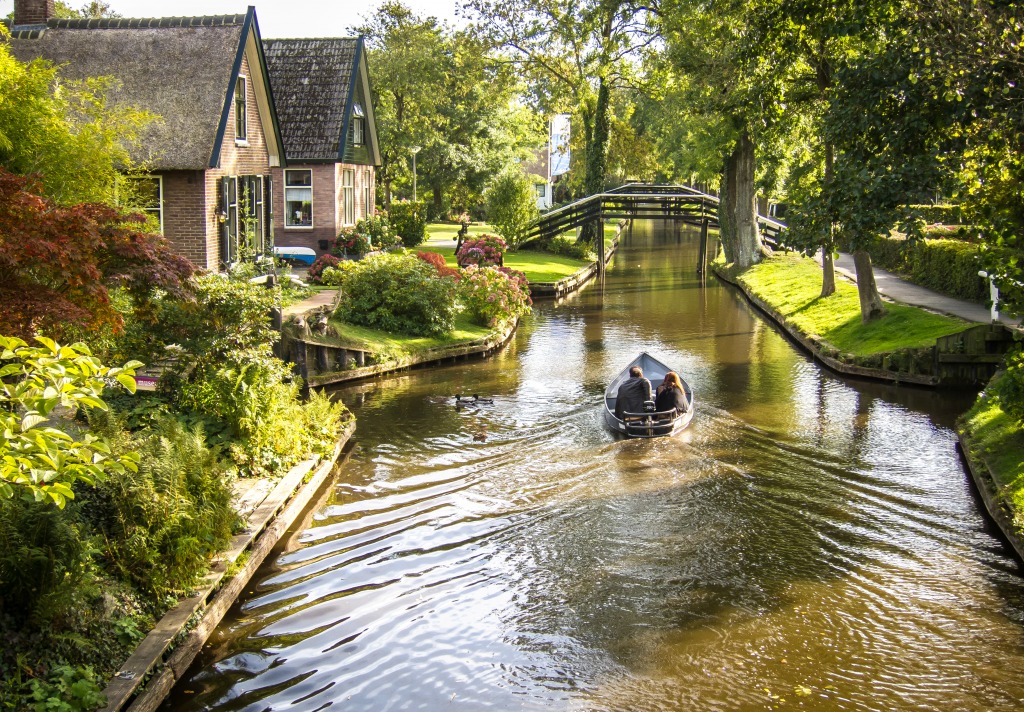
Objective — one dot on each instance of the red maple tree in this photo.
(58, 263)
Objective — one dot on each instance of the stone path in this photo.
(320, 299)
(899, 290)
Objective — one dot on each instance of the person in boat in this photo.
(633, 393)
(670, 395)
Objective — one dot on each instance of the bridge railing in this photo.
(641, 201)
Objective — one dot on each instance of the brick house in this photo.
(321, 90)
(211, 152)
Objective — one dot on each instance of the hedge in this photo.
(943, 214)
(949, 267)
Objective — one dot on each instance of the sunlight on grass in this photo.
(792, 285)
(998, 440)
(399, 345)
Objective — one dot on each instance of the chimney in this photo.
(32, 12)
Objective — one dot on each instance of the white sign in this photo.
(559, 158)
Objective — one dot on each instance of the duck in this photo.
(481, 434)
(485, 401)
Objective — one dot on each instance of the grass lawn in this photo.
(792, 285)
(998, 441)
(537, 266)
(391, 345)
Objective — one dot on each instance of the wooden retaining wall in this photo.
(163, 657)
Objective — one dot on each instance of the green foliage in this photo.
(41, 461)
(68, 689)
(512, 204)
(562, 245)
(320, 265)
(1011, 387)
(494, 295)
(161, 525)
(352, 241)
(378, 229)
(398, 293)
(409, 221)
(67, 132)
(945, 266)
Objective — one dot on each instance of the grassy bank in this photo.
(996, 441)
(389, 345)
(538, 266)
(792, 285)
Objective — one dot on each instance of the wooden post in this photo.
(600, 245)
(299, 357)
(702, 254)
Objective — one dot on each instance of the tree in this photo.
(66, 132)
(512, 204)
(38, 460)
(574, 55)
(57, 263)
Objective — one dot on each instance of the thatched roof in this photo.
(311, 80)
(178, 68)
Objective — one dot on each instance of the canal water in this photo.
(809, 542)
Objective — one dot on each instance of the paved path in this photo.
(899, 290)
(320, 299)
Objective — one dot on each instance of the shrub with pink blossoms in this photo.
(493, 295)
(483, 250)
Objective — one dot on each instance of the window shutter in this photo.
(225, 211)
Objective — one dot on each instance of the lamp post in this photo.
(414, 150)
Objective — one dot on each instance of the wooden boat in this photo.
(650, 424)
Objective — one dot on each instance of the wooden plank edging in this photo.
(566, 285)
(268, 523)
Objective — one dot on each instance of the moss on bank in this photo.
(791, 284)
(389, 345)
(996, 441)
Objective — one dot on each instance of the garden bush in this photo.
(316, 270)
(512, 204)
(492, 295)
(351, 241)
(398, 293)
(439, 264)
(409, 221)
(562, 245)
(947, 266)
(483, 250)
(380, 232)
(942, 213)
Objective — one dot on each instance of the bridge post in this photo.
(702, 255)
(600, 247)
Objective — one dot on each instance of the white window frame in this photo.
(348, 196)
(288, 225)
(368, 197)
(241, 117)
(357, 131)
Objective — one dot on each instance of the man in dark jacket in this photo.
(633, 393)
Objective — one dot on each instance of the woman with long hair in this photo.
(670, 395)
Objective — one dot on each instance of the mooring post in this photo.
(599, 236)
(702, 255)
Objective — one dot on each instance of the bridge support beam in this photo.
(702, 255)
(600, 247)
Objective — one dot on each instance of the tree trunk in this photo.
(387, 194)
(871, 306)
(597, 155)
(828, 268)
(828, 273)
(741, 234)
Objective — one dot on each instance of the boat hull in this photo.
(646, 425)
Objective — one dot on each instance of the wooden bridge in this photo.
(643, 201)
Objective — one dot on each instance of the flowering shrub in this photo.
(352, 242)
(335, 276)
(483, 250)
(379, 231)
(316, 270)
(493, 295)
(397, 293)
(433, 258)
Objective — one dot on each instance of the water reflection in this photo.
(807, 543)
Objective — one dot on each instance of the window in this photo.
(246, 219)
(241, 133)
(348, 196)
(298, 198)
(542, 190)
(357, 125)
(147, 196)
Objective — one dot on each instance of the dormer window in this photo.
(241, 125)
(357, 125)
